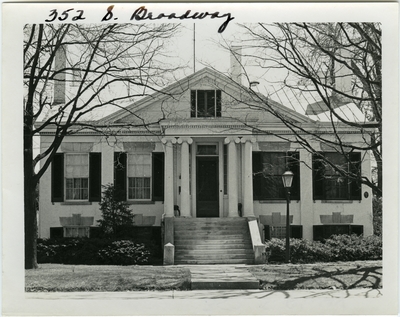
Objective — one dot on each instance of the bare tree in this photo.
(324, 66)
(70, 72)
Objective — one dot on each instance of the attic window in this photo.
(205, 103)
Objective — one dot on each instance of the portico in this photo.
(204, 180)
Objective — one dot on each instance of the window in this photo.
(205, 103)
(76, 232)
(331, 179)
(76, 177)
(279, 232)
(268, 168)
(321, 232)
(139, 176)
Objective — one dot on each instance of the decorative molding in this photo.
(274, 146)
(188, 140)
(139, 146)
(79, 147)
(76, 220)
(276, 219)
(336, 217)
(168, 140)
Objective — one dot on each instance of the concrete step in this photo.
(216, 247)
(245, 254)
(210, 235)
(208, 277)
(211, 242)
(220, 261)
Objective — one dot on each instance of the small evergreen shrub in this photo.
(116, 215)
(337, 248)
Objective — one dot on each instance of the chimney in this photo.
(60, 60)
(342, 73)
(236, 64)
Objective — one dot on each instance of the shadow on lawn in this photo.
(370, 277)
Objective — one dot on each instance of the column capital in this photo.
(230, 139)
(187, 140)
(248, 139)
(170, 139)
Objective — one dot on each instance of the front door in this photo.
(207, 187)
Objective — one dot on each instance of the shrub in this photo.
(337, 248)
(115, 212)
(354, 247)
(377, 215)
(124, 252)
(92, 251)
(301, 251)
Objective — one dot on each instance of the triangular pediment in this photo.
(174, 103)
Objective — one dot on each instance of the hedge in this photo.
(94, 251)
(336, 248)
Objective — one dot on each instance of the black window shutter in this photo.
(94, 176)
(296, 231)
(355, 168)
(318, 178)
(193, 103)
(158, 176)
(257, 176)
(56, 232)
(120, 174)
(318, 232)
(57, 178)
(218, 103)
(357, 229)
(267, 232)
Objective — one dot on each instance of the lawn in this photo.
(81, 278)
(334, 275)
(70, 278)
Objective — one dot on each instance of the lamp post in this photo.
(287, 179)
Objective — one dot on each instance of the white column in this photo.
(306, 195)
(232, 177)
(107, 162)
(169, 176)
(185, 180)
(248, 210)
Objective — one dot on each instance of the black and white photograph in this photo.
(200, 159)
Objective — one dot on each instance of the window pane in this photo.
(77, 165)
(139, 188)
(329, 176)
(77, 188)
(205, 102)
(209, 149)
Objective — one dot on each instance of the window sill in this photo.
(71, 203)
(337, 201)
(141, 202)
(276, 201)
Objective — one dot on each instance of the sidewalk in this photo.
(210, 294)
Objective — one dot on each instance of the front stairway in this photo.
(212, 241)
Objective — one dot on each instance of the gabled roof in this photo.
(220, 80)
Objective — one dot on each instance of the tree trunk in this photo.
(30, 216)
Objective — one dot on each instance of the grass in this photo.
(335, 275)
(75, 278)
(81, 278)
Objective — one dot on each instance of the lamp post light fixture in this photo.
(287, 179)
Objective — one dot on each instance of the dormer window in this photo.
(205, 103)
